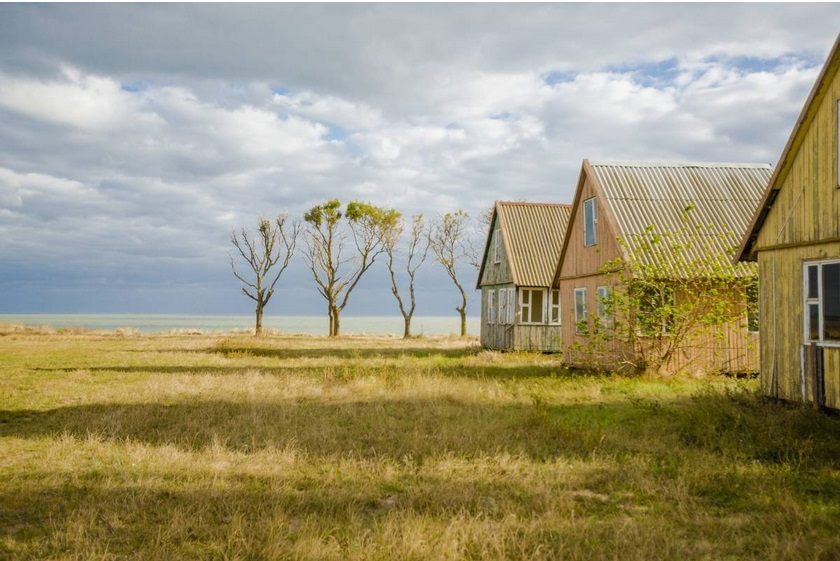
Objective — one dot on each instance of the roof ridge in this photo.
(529, 203)
(678, 163)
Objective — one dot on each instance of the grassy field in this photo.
(209, 447)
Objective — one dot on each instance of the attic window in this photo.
(497, 253)
(590, 221)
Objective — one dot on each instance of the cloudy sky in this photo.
(134, 137)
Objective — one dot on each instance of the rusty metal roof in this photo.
(533, 235)
(646, 199)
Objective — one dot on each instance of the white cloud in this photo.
(80, 100)
(148, 178)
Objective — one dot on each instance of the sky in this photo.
(134, 138)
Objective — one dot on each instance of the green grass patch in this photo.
(200, 447)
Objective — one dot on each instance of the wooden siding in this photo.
(781, 310)
(807, 207)
(517, 336)
(736, 350)
(580, 260)
(802, 224)
(495, 273)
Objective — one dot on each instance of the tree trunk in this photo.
(463, 312)
(330, 315)
(407, 330)
(258, 326)
(336, 323)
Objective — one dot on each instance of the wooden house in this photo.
(617, 206)
(519, 311)
(795, 238)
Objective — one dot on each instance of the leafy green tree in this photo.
(674, 291)
(341, 247)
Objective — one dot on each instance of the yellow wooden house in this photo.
(795, 237)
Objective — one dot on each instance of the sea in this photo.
(311, 325)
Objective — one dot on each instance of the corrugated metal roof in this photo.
(651, 198)
(533, 234)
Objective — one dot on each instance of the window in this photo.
(604, 305)
(491, 306)
(752, 307)
(511, 305)
(656, 309)
(580, 311)
(531, 304)
(497, 253)
(554, 308)
(590, 221)
(822, 302)
(503, 305)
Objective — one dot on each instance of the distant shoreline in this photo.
(220, 323)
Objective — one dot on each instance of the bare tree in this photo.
(474, 246)
(449, 244)
(417, 250)
(329, 232)
(273, 245)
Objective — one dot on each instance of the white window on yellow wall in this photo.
(497, 253)
(491, 306)
(822, 302)
(554, 308)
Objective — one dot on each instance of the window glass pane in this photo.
(580, 310)
(813, 322)
(831, 301)
(589, 221)
(536, 306)
(524, 308)
(603, 294)
(555, 297)
(813, 287)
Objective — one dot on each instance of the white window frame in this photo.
(594, 205)
(511, 305)
(497, 255)
(603, 293)
(530, 305)
(491, 305)
(806, 302)
(552, 306)
(578, 319)
(502, 308)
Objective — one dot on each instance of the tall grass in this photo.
(210, 447)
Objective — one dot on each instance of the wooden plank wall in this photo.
(807, 207)
(496, 273)
(781, 310)
(803, 224)
(547, 338)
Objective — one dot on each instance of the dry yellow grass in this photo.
(211, 447)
